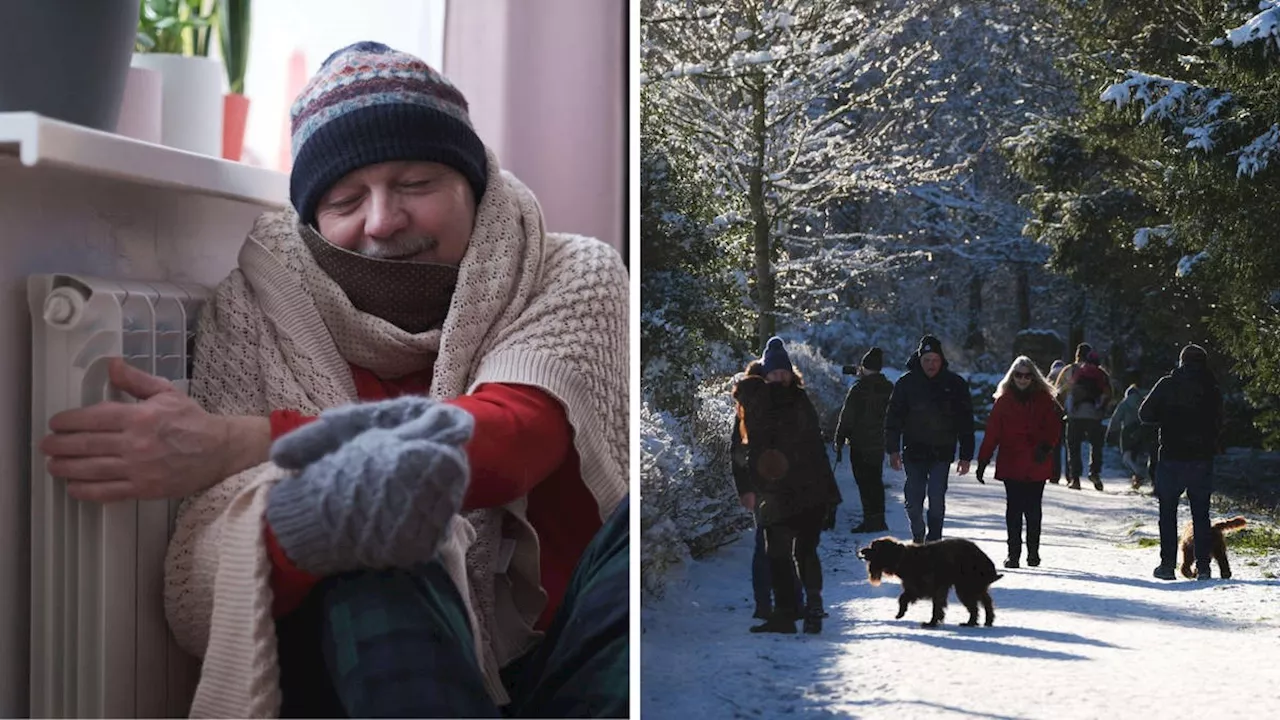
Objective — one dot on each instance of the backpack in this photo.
(1087, 384)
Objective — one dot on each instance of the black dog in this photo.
(930, 570)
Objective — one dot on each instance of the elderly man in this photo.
(930, 410)
(456, 548)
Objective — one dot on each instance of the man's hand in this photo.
(165, 446)
(748, 501)
(962, 468)
(895, 461)
(982, 469)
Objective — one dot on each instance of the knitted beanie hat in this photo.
(930, 344)
(1193, 354)
(370, 104)
(775, 356)
(874, 359)
(1082, 351)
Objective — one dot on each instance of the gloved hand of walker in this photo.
(375, 486)
(1042, 452)
(982, 469)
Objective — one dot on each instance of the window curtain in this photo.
(547, 84)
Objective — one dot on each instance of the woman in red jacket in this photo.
(1025, 422)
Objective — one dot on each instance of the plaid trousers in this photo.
(396, 643)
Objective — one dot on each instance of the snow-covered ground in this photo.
(1088, 634)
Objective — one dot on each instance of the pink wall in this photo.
(547, 83)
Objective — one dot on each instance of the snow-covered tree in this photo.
(1166, 185)
(857, 141)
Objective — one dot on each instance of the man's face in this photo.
(931, 363)
(413, 211)
(779, 376)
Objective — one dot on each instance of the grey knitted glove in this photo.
(375, 487)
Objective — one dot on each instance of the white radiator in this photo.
(100, 646)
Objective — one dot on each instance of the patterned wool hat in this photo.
(775, 356)
(370, 104)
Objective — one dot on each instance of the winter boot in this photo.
(1074, 484)
(1164, 572)
(1135, 482)
(782, 621)
(1033, 556)
(1097, 481)
(1011, 563)
(871, 523)
(763, 611)
(813, 615)
(813, 623)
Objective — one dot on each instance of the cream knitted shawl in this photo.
(530, 308)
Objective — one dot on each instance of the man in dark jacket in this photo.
(861, 425)
(1187, 406)
(930, 410)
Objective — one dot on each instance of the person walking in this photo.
(1025, 423)
(796, 491)
(861, 426)
(1187, 407)
(930, 412)
(1085, 390)
(1059, 448)
(761, 586)
(1135, 439)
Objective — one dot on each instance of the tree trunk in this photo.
(1076, 336)
(1024, 298)
(974, 340)
(765, 286)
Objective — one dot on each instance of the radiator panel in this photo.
(100, 646)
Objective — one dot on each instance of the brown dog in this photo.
(1221, 529)
(930, 571)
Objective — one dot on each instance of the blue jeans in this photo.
(926, 478)
(761, 581)
(1195, 477)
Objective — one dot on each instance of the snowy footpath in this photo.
(1088, 634)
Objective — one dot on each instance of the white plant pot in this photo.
(191, 101)
(140, 112)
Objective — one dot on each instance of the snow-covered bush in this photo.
(689, 506)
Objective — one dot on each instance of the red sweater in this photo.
(522, 445)
(1017, 427)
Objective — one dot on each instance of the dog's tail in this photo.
(1231, 525)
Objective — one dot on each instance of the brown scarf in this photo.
(413, 296)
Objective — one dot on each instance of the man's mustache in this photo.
(401, 249)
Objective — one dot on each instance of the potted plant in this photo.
(173, 38)
(65, 59)
(233, 33)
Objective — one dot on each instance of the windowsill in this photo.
(40, 141)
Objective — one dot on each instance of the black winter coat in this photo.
(861, 422)
(1187, 405)
(928, 416)
(787, 458)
